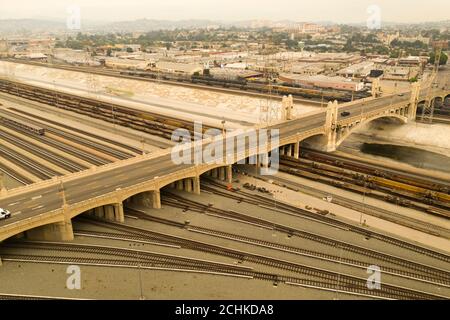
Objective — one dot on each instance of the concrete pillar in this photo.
(214, 173)
(229, 173)
(119, 216)
(109, 212)
(156, 199)
(99, 212)
(58, 231)
(188, 185)
(180, 185)
(222, 173)
(289, 150)
(264, 160)
(297, 150)
(196, 185)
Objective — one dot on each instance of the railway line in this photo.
(417, 272)
(356, 177)
(145, 121)
(27, 164)
(366, 209)
(56, 159)
(68, 136)
(259, 200)
(397, 174)
(131, 149)
(140, 258)
(240, 87)
(14, 175)
(84, 155)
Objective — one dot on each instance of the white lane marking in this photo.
(16, 213)
(37, 197)
(35, 208)
(13, 204)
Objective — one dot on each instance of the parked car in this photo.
(4, 214)
(345, 114)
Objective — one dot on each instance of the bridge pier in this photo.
(58, 231)
(119, 215)
(148, 199)
(297, 150)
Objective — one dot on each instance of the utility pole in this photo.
(428, 108)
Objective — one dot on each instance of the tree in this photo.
(443, 59)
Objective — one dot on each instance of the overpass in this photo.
(44, 210)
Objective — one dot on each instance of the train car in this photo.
(16, 123)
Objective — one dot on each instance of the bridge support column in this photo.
(289, 150)
(148, 199)
(180, 185)
(221, 173)
(264, 160)
(156, 199)
(119, 216)
(58, 231)
(188, 185)
(196, 185)
(99, 212)
(296, 150)
(109, 212)
(229, 173)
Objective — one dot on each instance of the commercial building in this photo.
(359, 70)
(179, 68)
(323, 82)
(117, 63)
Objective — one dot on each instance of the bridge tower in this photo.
(331, 125)
(415, 91)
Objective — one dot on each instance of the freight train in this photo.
(253, 85)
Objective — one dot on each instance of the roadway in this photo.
(50, 198)
(47, 199)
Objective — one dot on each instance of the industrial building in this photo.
(178, 68)
(323, 82)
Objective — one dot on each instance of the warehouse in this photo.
(323, 82)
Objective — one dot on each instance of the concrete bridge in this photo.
(44, 210)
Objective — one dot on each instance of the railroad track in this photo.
(66, 135)
(138, 258)
(397, 218)
(14, 175)
(138, 234)
(259, 200)
(85, 133)
(372, 186)
(25, 163)
(149, 122)
(49, 156)
(261, 92)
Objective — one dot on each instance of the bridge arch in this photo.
(345, 132)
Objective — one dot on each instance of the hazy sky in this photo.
(298, 10)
